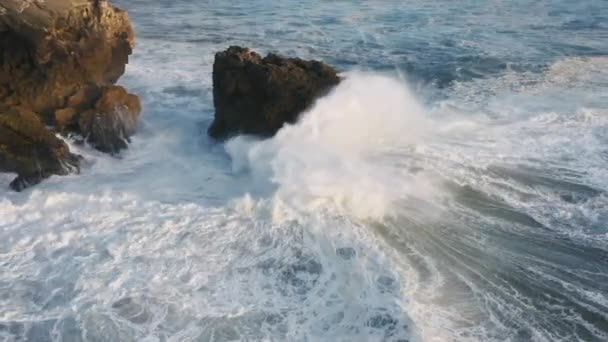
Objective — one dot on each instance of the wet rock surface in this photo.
(59, 61)
(108, 126)
(255, 95)
(29, 149)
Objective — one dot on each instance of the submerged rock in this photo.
(30, 150)
(255, 95)
(59, 60)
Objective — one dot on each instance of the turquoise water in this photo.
(453, 188)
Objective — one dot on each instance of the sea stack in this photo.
(59, 62)
(255, 95)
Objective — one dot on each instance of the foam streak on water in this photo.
(452, 188)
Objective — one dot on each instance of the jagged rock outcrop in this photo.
(29, 149)
(60, 60)
(255, 95)
(55, 48)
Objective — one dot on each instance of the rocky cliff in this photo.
(59, 61)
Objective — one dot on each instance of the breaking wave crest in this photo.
(338, 156)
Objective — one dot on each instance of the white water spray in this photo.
(335, 156)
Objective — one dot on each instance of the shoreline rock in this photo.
(255, 95)
(108, 125)
(59, 61)
(29, 149)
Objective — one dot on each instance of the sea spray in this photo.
(150, 248)
(337, 155)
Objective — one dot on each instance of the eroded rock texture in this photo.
(112, 121)
(255, 95)
(29, 149)
(60, 59)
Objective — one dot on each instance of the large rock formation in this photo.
(255, 95)
(60, 60)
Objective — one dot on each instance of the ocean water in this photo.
(453, 188)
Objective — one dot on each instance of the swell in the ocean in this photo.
(373, 216)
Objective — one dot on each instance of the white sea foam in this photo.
(331, 230)
(291, 261)
(336, 156)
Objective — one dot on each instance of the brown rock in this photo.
(58, 60)
(30, 150)
(65, 117)
(109, 125)
(49, 50)
(85, 98)
(255, 95)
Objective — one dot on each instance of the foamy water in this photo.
(334, 158)
(452, 188)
